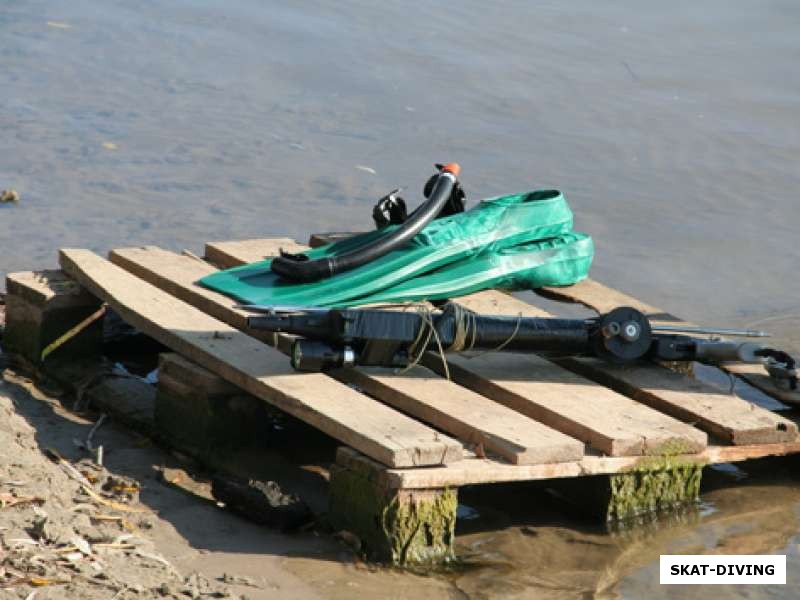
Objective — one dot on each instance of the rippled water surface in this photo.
(674, 131)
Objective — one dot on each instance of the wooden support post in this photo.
(648, 491)
(41, 307)
(658, 484)
(401, 527)
(203, 415)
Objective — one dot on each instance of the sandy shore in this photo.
(164, 542)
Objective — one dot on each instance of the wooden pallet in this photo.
(522, 409)
(500, 417)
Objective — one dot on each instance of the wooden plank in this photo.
(467, 415)
(321, 239)
(375, 429)
(475, 471)
(48, 288)
(601, 298)
(757, 376)
(604, 419)
(548, 393)
(228, 254)
(444, 404)
(177, 275)
(179, 369)
(726, 416)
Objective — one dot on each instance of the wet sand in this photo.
(674, 133)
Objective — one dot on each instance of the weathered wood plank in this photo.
(375, 429)
(724, 415)
(182, 370)
(467, 415)
(601, 298)
(177, 275)
(228, 254)
(48, 288)
(476, 471)
(545, 392)
(442, 403)
(604, 419)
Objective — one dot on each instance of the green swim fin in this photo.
(472, 238)
(562, 260)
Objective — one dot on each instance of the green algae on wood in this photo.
(657, 483)
(420, 526)
(654, 484)
(403, 527)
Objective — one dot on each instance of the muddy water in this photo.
(675, 133)
(559, 556)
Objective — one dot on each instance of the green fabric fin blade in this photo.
(563, 260)
(488, 229)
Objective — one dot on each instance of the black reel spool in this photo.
(622, 335)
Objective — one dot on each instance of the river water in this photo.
(674, 131)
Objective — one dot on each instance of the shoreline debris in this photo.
(262, 502)
(10, 196)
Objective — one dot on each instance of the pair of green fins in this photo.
(515, 242)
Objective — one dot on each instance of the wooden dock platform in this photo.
(410, 440)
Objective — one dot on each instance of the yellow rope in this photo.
(464, 336)
(63, 339)
(420, 349)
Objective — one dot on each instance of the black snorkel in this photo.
(298, 267)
